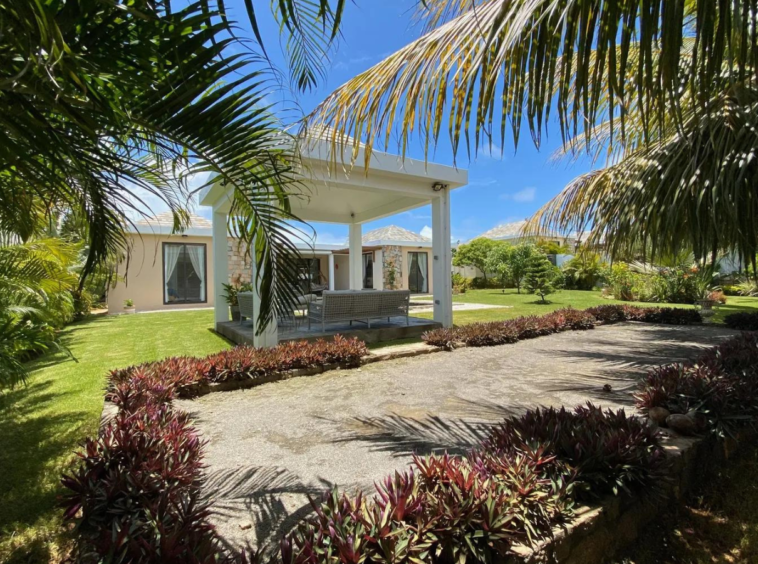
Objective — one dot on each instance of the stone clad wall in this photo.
(392, 256)
(239, 265)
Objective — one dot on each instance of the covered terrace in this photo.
(332, 195)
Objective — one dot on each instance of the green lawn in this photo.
(528, 304)
(42, 423)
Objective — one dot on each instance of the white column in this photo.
(442, 263)
(220, 266)
(356, 256)
(268, 337)
(331, 271)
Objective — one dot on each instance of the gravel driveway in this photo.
(272, 447)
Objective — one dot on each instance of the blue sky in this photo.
(501, 188)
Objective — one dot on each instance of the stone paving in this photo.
(273, 446)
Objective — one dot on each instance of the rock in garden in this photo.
(658, 414)
(700, 419)
(682, 424)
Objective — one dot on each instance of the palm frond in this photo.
(693, 188)
(513, 62)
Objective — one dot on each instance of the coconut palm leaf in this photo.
(693, 188)
(514, 62)
(105, 107)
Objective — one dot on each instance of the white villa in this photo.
(179, 271)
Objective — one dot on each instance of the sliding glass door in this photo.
(368, 271)
(418, 271)
(184, 273)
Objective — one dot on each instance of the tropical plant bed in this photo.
(537, 485)
(598, 532)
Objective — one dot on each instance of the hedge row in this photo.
(520, 328)
(720, 386)
(183, 375)
(742, 321)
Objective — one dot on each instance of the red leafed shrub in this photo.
(568, 319)
(607, 313)
(488, 334)
(134, 492)
(515, 487)
(742, 321)
(182, 375)
(607, 451)
(443, 338)
(721, 384)
(671, 316)
(572, 319)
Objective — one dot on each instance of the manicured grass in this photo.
(528, 304)
(42, 423)
(720, 525)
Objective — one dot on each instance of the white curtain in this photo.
(170, 258)
(423, 266)
(197, 258)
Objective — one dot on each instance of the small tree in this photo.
(540, 276)
(518, 263)
(475, 254)
(498, 262)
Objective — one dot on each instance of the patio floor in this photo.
(381, 330)
(272, 447)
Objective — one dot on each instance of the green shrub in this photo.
(584, 272)
(742, 321)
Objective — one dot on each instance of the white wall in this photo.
(341, 272)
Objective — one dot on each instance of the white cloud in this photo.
(483, 182)
(426, 232)
(522, 196)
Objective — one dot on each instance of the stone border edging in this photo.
(599, 532)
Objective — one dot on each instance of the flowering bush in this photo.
(722, 385)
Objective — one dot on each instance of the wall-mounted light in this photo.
(438, 186)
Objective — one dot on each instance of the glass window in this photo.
(184, 273)
(418, 271)
(310, 274)
(368, 271)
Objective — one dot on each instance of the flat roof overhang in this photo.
(332, 193)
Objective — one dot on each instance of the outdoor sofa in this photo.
(359, 305)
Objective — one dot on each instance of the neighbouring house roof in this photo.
(163, 224)
(505, 231)
(512, 230)
(395, 235)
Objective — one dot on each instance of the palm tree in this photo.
(103, 104)
(666, 87)
(35, 285)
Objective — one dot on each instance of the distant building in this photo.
(170, 271)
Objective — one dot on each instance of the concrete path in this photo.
(272, 447)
